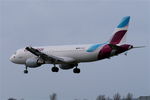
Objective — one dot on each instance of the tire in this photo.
(76, 70)
(55, 69)
(25, 71)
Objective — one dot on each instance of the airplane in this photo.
(69, 56)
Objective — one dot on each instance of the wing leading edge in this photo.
(51, 58)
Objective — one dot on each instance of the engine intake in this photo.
(34, 62)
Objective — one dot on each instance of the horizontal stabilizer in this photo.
(115, 47)
(139, 47)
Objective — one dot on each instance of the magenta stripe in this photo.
(118, 37)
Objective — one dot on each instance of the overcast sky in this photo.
(59, 22)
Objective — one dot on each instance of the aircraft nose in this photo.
(12, 58)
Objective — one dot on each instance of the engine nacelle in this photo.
(67, 66)
(34, 62)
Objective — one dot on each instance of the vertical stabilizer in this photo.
(119, 34)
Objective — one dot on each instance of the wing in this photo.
(50, 58)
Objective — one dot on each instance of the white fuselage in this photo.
(77, 52)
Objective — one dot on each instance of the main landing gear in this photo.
(55, 69)
(26, 70)
(76, 70)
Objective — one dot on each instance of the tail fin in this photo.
(119, 33)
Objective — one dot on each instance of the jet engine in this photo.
(67, 66)
(34, 62)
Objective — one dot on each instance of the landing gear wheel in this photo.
(76, 70)
(55, 69)
(26, 71)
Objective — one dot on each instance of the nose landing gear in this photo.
(26, 70)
